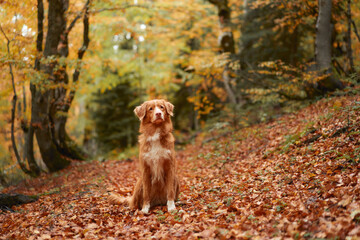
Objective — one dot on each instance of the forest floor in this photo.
(295, 177)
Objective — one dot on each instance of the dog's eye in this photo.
(162, 107)
(150, 109)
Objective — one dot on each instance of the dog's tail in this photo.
(115, 198)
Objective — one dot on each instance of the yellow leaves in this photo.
(284, 81)
(220, 93)
(207, 63)
(202, 104)
(337, 104)
(258, 91)
(259, 3)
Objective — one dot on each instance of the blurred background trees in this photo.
(221, 62)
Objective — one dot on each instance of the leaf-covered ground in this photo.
(295, 177)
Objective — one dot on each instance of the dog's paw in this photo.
(146, 208)
(171, 206)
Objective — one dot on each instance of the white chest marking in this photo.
(155, 137)
(155, 154)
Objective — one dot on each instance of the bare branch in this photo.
(352, 22)
(40, 35)
(7, 39)
(86, 41)
(348, 38)
(10, 65)
(355, 30)
(72, 24)
(81, 52)
(63, 44)
(40, 17)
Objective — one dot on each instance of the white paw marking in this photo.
(171, 206)
(146, 208)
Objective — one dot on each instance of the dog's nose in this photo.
(158, 114)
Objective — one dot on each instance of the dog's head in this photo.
(154, 111)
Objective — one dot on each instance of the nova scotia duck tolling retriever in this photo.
(158, 183)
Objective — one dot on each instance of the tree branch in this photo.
(352, 22)
(355, 30)
(215, 2)
(72, 24)
(86, 41)
(40, 17)
(81, 52)
(40, 35)
(348, 38)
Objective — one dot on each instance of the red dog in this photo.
(158, 184)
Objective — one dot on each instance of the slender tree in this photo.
(323, 46)
(226, 41)
(348, 38)
(13, 111)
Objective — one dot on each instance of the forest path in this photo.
(297, 176)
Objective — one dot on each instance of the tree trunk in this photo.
(50, 106)
(323, 46)
(8, 200)
(29, 151)
(29, 133)
(226, 42)
(323, 36)
(245, 43)
(348, 38)
(43, 97)
(62, 140)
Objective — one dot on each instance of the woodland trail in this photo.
(296, 177)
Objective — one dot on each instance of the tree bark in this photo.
(29, 151)
(245, 43)
(323, 46)
(43, 97)
(50, 105)
(29, 134)
(323, 36)
(65, 142)
(348, 38)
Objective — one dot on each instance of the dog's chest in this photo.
(155, 150)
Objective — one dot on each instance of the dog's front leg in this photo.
(170, 186)
(147, 190)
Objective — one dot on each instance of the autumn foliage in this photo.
(266, 117)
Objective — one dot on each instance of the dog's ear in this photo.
(140, 111)
(169, 108)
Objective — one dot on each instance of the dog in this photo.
(158, 183)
